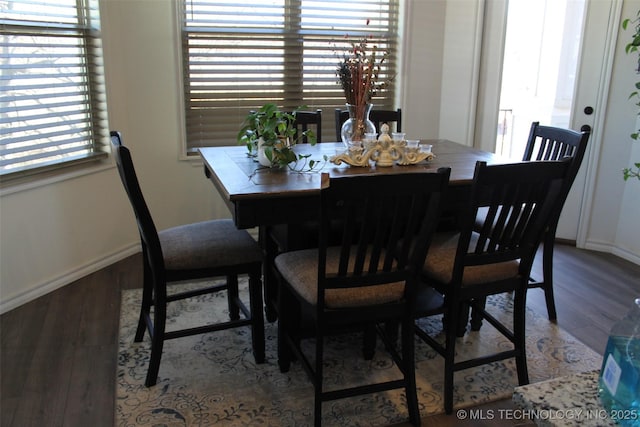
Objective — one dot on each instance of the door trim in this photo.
(595, 140)
(490, 76)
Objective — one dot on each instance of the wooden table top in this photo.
(258, 196)
(239, 177)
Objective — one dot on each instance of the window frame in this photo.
(341, 41)
(93, 133)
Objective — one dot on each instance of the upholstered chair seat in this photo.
(440, 262)
(207, 244)
(300, 269)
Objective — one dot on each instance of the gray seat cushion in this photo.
(441, 257)
(207, 244)
(300, 270)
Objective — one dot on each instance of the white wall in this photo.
(142, 72)
(422, 68)
(53, 234)
(620, 235)
(614, 204)
(460, 70)
(627, 240)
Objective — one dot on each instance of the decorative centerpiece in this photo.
(359, 74)
(270, 135)
(384, 151)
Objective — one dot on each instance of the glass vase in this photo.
(357, 125)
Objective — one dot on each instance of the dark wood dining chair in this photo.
(368, 278)
(554, 143)
(277, 238)
(193, 252)
(309, 121)
(464, 268)
(378, 117)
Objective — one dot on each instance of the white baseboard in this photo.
(67, 278)
(625, 254)
(82, 271)
(615, 250)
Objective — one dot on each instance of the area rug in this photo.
(212, 379)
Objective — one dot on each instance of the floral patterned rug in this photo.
(212, 379)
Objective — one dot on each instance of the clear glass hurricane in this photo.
(357, 125)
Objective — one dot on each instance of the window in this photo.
(52, 97)
(240, 55)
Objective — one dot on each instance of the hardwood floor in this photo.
(58, 353)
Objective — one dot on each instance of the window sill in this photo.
(27, 180)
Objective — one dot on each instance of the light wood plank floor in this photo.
(58, 353)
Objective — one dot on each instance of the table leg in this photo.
(270, 281)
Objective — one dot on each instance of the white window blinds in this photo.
(240, 55)
(52, 97)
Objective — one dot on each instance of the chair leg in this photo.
(547, 274)
(257, 319)
(369, 342)
(476, 317)
(408, 360)
(157, 343)
(285, 325)
(392, 329)
(317, 379)
(147, 300)
(232, 297)
(450, 351)
(519, 330)
(270, 281)
(462, 319)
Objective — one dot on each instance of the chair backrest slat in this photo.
(554, 143)
(387, 223)
(309, 120)
(519, 200)
(148, 232)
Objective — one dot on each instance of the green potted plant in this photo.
(270, 135)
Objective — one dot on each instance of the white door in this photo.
(556, 74)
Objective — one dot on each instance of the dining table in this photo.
(264, 197)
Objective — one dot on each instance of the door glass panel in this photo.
(539, 69)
